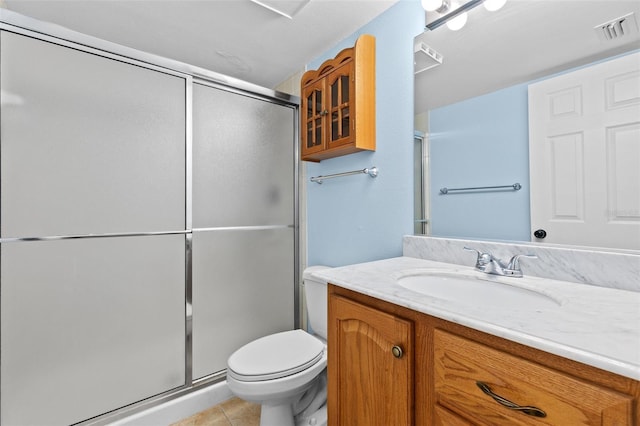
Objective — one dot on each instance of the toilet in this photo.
(286, 372)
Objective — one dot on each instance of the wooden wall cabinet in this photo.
(338, 111)
(446, 366)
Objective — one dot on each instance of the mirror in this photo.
(492, 58)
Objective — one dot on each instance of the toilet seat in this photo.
(275, 356)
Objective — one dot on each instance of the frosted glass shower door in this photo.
(92, 232)
(90, 145)
(243, 160)
(89, 325)
(243, 220)
(243, 289)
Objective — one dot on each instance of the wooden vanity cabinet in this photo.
(445, 362)
(537, 394)
(337, 115)
(372, 354)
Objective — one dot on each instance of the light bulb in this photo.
(431, 5)
(458, 22)
(493, 5)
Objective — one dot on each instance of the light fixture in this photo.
(453, 15)
(441, 6)
(457, 22)
(493, 5)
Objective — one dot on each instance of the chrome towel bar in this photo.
(373, 172)
(515, 187)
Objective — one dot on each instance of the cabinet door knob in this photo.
(397, 351)
(526, 409)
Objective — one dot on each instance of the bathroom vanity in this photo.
(401, 356)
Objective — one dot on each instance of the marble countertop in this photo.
(597, 326)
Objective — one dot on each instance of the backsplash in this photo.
(614, 269)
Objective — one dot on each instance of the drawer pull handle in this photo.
(397, 351)
(526, 409)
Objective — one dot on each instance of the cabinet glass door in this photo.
(341, 105)
(313, 117)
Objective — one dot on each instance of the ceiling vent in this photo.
(286, 8)
(617, 28)
(425, 58)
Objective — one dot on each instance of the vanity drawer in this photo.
(460, 364)
(444, 417)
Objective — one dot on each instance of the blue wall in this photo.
(357, 218)
(488, 147)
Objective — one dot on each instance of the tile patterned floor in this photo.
(234, 412)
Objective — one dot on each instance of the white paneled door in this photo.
(584, 143)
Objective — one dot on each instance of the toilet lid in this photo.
(276, 355)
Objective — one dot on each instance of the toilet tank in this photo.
(315, 292)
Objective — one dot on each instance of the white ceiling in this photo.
(524, 40)
(238, 38)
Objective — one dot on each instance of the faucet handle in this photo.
(514, 263)
(483, 258)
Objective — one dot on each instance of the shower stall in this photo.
(148, 224)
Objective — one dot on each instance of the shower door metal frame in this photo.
(22, 25)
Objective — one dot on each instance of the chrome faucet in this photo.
(491, 265)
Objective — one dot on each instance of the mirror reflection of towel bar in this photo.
(373, 172)
(515, 187)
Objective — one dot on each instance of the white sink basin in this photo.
(477, 289)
